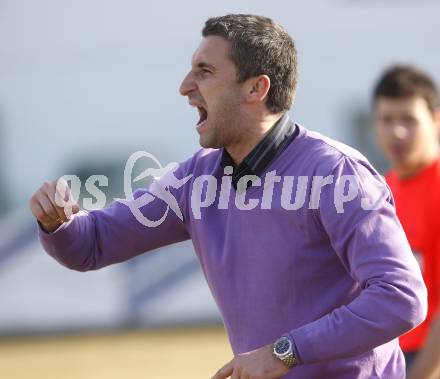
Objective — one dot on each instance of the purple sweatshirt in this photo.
(343, 285)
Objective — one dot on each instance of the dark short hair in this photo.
(260, 46)
(404, 81)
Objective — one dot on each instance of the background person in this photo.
(407, 122)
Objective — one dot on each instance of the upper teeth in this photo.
(202, 112)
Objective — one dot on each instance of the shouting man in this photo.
(320, 287)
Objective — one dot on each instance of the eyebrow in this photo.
(206, 65)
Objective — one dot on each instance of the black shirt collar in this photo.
(279, 136)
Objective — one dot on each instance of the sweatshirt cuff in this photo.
(306, 352)
(295, 349)
(55, 243)
(63, 226)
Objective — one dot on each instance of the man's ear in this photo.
(257, 88)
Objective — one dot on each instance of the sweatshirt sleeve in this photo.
(148, 220)
(370, 243)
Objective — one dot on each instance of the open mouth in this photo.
(203, 114)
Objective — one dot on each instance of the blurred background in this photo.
(83, 85)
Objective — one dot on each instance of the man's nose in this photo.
(188, 85)
(399, 132)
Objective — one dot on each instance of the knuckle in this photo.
(46, 189)
(37, 214)
(38, 198)
(34, 209)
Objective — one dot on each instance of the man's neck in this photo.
(410, 171)
(251, 135)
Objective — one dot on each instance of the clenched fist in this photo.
(52, 204)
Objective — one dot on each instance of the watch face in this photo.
(283, 345)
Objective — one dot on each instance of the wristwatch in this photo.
(283, 350)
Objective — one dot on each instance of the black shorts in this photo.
(410, 356)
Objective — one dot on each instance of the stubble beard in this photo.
(226, 124)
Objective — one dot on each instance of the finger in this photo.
(58, 193)
(225, 372)
(61, 193)
(60, 211)
(73, 205)
(48, 191)
(236, 374)
(38, 212)
(48, 208)
(67, 204)
(64, 198)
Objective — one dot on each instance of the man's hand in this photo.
(52, 204)
(427, 364)
(256, 364)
